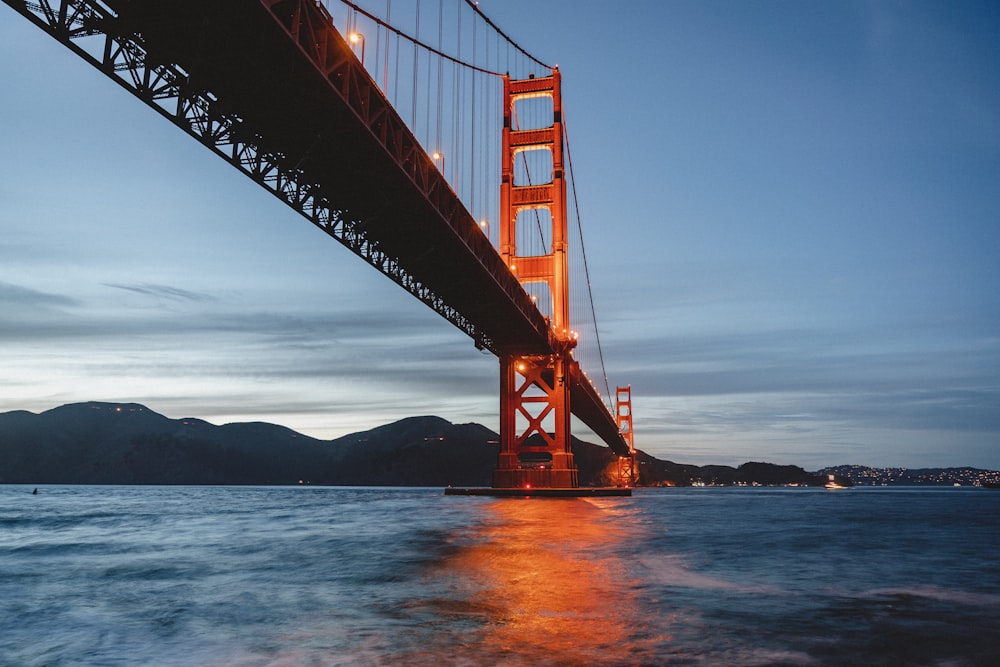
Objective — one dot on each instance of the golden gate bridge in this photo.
(422, 138)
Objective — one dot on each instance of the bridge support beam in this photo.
(535, 443)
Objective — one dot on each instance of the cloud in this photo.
(820, 395)
(322, 368)
(163, 292)
(26, 314)
(15, 296)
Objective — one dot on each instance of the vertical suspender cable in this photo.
(473, 162)
(385, 59)
(458, 115)
(416, 67)
(440, 76)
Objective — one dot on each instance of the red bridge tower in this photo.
(627, 474)
(535, 443)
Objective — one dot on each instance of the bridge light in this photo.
(356, 38)
(436, 156)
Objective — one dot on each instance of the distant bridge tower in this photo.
(535, 443)
(627, 474)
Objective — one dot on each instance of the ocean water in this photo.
(273, 576)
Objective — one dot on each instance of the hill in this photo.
(111, 443)
(127, 443)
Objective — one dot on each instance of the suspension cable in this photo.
(438, 52)
(586, 269)
(475, 8)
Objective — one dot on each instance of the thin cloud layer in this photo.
(163, 291)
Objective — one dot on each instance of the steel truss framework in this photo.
(164, 87)
(107, 34)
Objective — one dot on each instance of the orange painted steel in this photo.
(623, 408)
(535, 440)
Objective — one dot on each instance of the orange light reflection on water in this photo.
(544, 578)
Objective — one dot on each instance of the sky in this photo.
(791, 210)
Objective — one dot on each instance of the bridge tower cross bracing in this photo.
(535, 439)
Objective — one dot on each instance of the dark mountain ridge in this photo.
(127, 443)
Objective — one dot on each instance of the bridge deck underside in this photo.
(237, 51)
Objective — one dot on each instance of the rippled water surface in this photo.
(243, 576)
